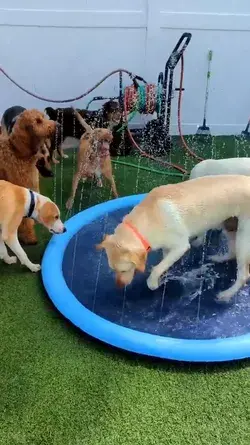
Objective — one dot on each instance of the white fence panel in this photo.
(59, 49)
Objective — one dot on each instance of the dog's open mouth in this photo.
(116, 117)
(104, 147)
(116, 120)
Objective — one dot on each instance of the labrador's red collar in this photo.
(144, 242)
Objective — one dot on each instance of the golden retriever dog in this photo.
(93, 158)
(8, 121)
(170, 216)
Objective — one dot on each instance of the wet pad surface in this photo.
(183, 307)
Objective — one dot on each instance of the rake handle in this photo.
(210, 56)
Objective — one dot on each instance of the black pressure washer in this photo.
(155, 136)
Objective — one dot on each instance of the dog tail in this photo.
(83, 122)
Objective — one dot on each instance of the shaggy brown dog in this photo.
(93, 158)
(8, 120)
(19, 153)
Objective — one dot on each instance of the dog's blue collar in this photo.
(32, 204)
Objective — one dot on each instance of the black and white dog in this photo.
(9, 118)
(109, 116)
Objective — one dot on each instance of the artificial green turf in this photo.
(60, 387)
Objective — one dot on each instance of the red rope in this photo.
(133, 100)
(130, 98)
(142, 152)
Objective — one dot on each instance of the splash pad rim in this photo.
(189, 350)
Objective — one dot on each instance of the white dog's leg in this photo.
(4, 253)
(13, 243)
(173, 255)
(164, 252)
(98, 177)
(242, 277)
(230, 255)
(243, 259)
(198, 241)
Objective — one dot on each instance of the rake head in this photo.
(246, 133)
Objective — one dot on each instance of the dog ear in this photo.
(139, 259)
(104, 242)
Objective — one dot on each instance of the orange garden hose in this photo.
(186, 147)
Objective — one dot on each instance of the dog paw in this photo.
(198, 241)
(152, 282)
(224, 297)
(218, 258)
(34, 267)
(10, 259)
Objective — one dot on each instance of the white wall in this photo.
(60, 48)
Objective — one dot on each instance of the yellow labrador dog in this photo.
(173, 214)
(228, 166)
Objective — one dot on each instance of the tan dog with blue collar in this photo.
(15, 203)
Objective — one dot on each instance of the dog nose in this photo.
(64, 230)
